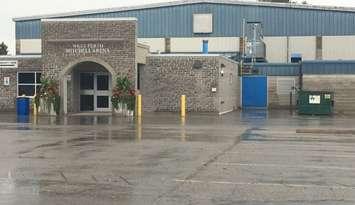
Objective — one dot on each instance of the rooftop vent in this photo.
(276, 1)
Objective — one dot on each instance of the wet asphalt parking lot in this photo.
(247, 158)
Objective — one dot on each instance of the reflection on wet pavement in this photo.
(250, 157)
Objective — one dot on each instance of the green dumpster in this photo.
(315, 102)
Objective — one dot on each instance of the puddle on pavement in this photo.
(157, 126)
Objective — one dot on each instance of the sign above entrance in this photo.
(87, 48)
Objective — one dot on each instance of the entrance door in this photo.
(102, 92)
(95, 92)
(254, 91)
(87, 86)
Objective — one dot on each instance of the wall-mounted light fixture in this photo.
(6, 81)
(222, 71)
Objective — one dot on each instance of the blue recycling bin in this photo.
(23, 106)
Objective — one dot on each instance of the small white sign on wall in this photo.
(9, 64)
(327, 96)
(314, 99)
(6, 81)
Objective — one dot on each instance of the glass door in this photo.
(95, 92)
(102, 92)
(87, 92)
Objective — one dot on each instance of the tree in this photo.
(3, 49)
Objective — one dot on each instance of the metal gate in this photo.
(254, 91)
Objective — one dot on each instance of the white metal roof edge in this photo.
(185, 2)
(89, 19)
(230, 60)
(14, 57)
(184, 55)
(142, 45)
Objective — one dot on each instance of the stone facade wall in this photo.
(229, 86)
(63, 43)
(342, 85)
(8, 93)
(166, 78)
(111, 43)
(30, 64)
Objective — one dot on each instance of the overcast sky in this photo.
(19, 8)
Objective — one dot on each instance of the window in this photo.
(28, 83)
(102, 82)
(87, 81)
(202, 23)
(103, 102)
(230, 78)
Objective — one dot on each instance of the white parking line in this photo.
(310, 154)
(263, 184)
(299, 146)
(286, 166)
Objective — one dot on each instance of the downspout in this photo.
(243, 54)
(287, 49)
(300, 75)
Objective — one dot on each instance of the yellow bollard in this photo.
(139, 105)
(35, 112)
(34, 109)
(183, 105)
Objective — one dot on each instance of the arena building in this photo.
(319, 33)
(160, 47)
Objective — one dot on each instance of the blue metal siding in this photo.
(308, 68)
(176, 21)
(277, 69)
(28, 29)
(328, 67)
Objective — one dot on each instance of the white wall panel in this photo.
(216, 44)
(155, 44)
(30, 46)
(186, 44)
(338, 47)
(276, 49)
(223, 44)
(306, 45)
